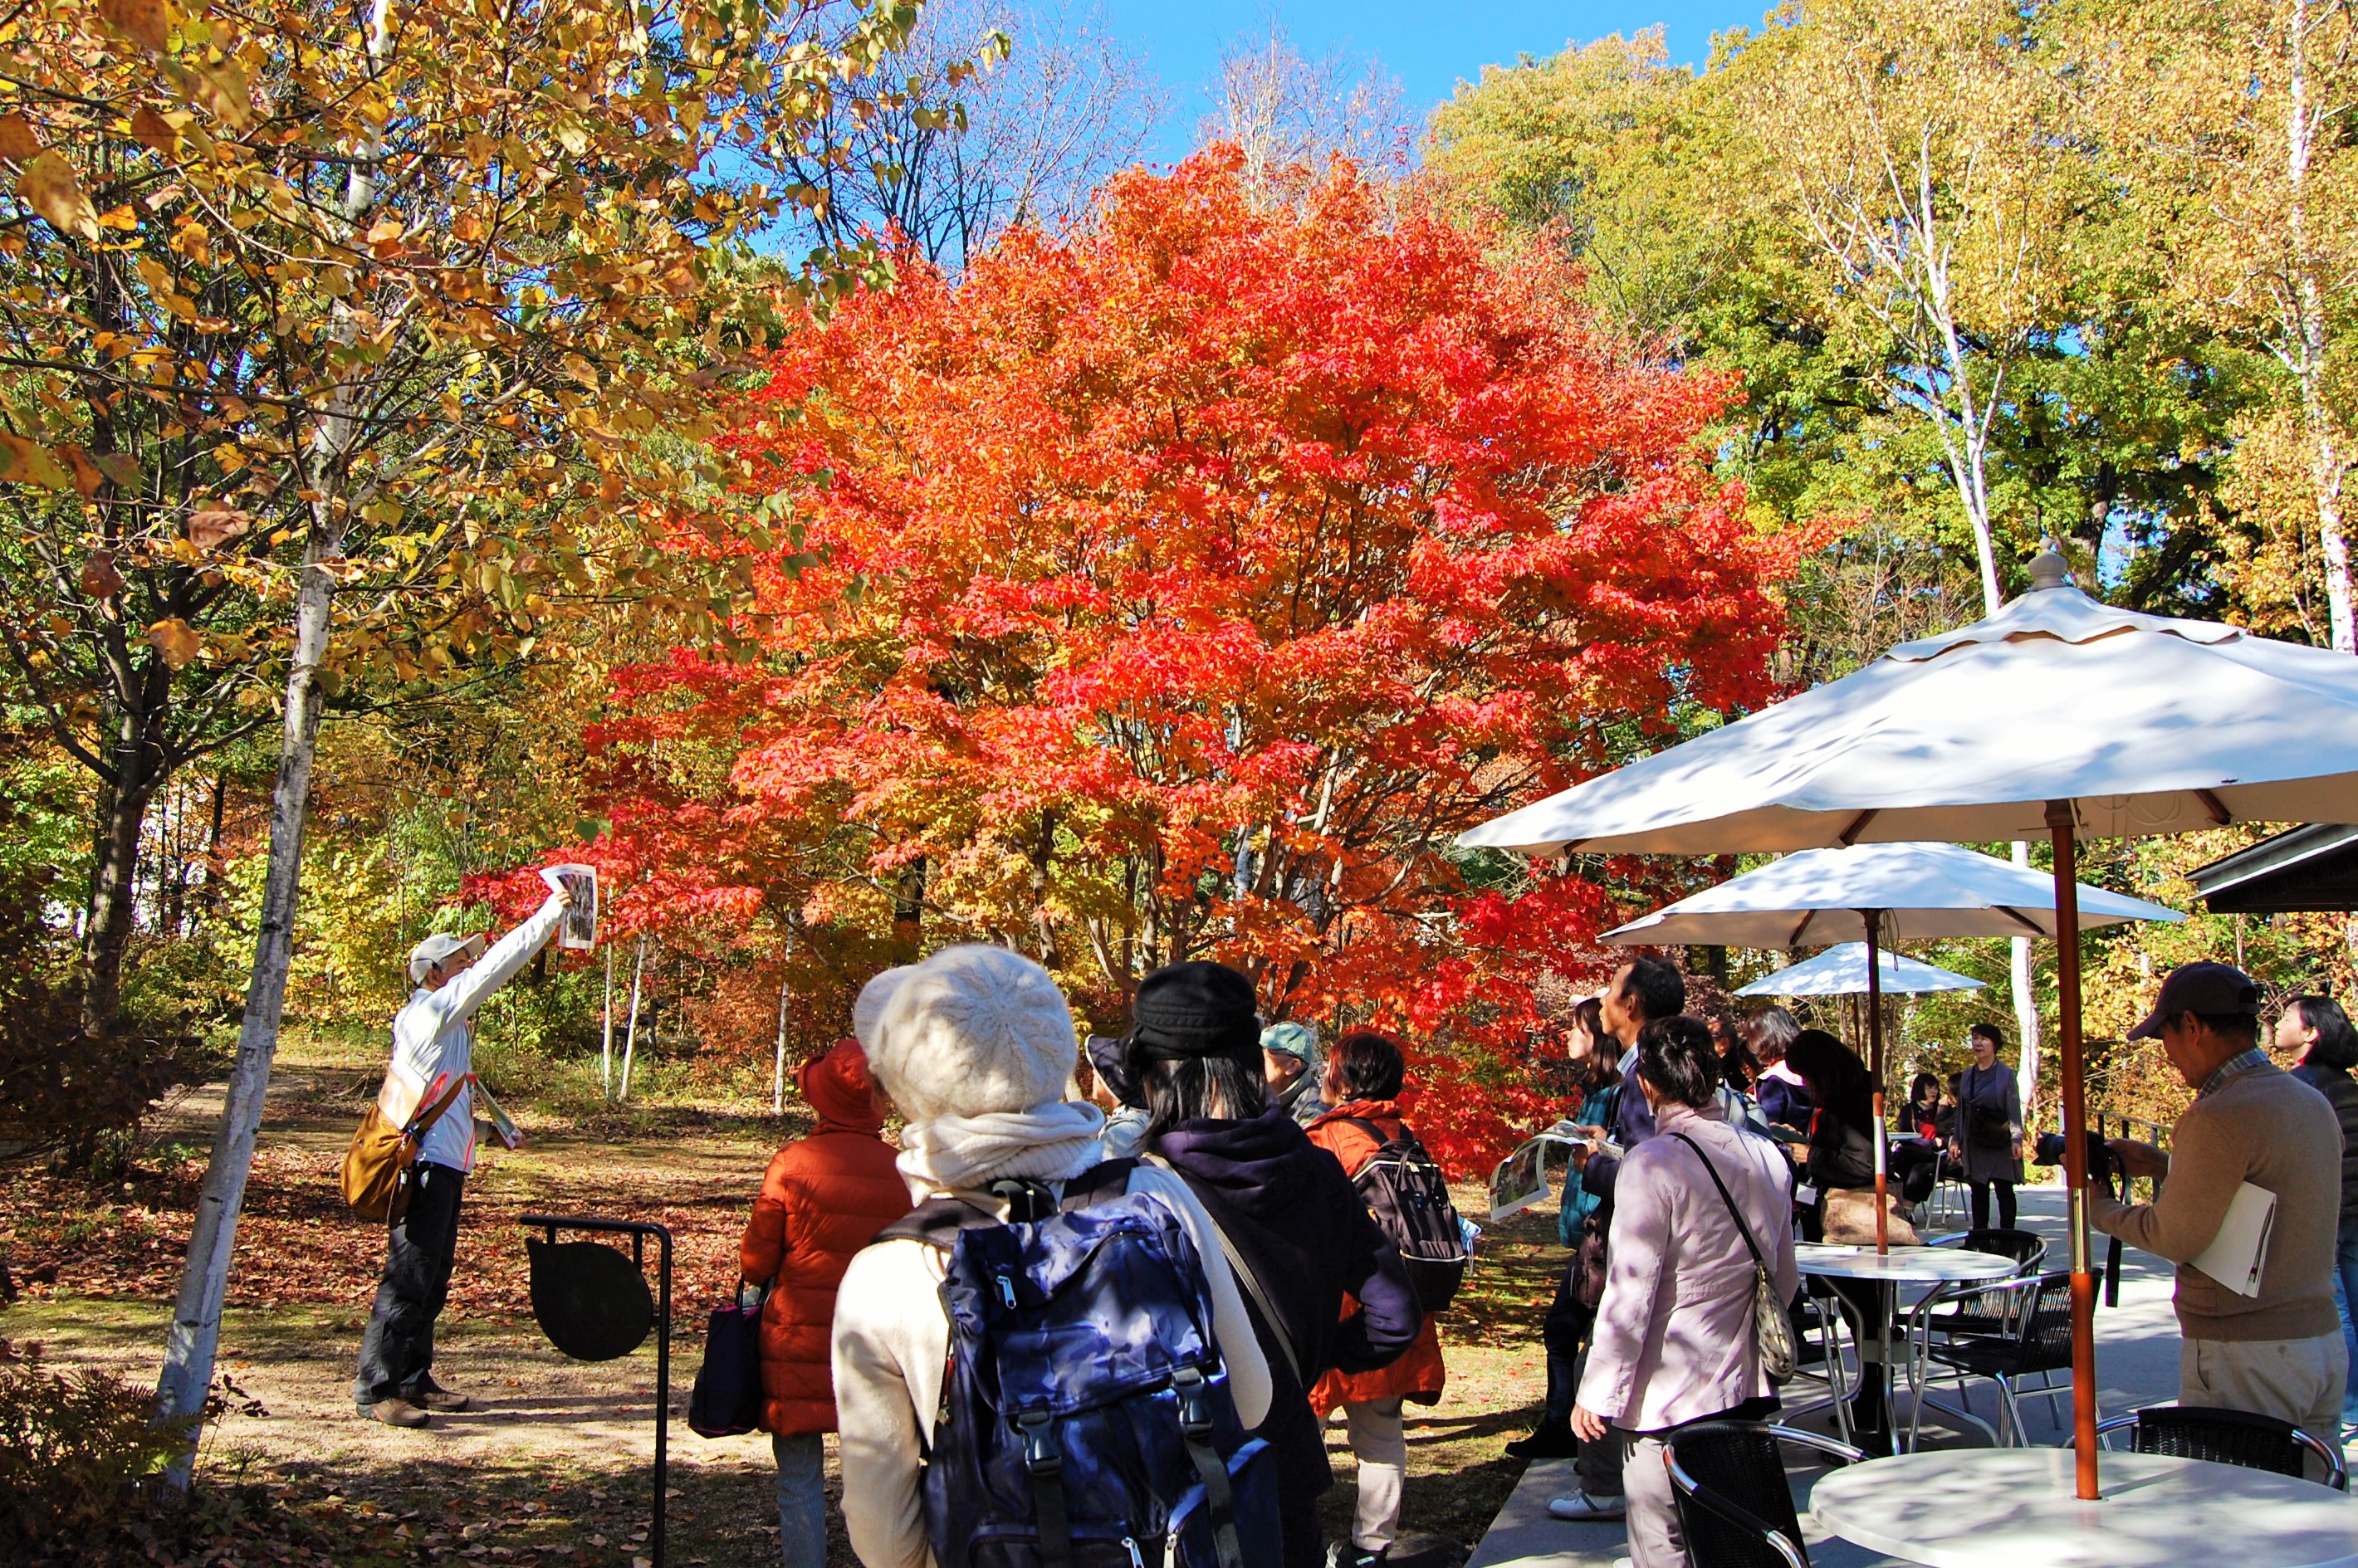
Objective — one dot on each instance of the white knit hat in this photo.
(970, 1031)
(868, 1006)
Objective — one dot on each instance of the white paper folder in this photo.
(2239, 1254)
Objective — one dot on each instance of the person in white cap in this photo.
(433, 1056)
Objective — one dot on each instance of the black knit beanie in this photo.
(1195, 1009)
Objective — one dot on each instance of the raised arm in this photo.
(473, 986)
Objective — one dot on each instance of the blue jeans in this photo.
(802, 1498)
(2345, 1287)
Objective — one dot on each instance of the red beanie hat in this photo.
(840, 1088)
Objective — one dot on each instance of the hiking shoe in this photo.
(395, 1413)
(435, 1397)
(1552, 1440)
(1581, 1507)
(1341, 1555)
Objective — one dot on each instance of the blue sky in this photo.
(1429, 47)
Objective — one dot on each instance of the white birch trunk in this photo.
(195, 1336)
(2026, 1008)
(630, 1036)
(778, 1065)
(606, 1040)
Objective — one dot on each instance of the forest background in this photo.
(985, 536)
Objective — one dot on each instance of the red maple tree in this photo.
(1182, 587)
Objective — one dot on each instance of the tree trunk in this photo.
(2326, 462)
(2026, 1009)
(106, 924)
(195, 1336)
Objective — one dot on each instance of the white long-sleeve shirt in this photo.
(893, 1340)
(434, 1040)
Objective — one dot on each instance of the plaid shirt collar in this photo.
(2233, 1067)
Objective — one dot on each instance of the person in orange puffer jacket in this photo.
(1364, 1073)
(826, 1196)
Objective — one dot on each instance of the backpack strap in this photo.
(1196, 1432)
(1098, 1184)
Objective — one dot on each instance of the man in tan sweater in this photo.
(2279, 1353)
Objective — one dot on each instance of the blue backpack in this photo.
(1085, 1419)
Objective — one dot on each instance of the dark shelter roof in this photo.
(2313, 867)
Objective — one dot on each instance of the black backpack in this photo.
(1404, 1189)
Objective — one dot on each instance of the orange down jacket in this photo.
(1419, 1374)
(824, 1197)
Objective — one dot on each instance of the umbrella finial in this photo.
(2049, 570)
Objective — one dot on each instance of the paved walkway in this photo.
(2136, 1363)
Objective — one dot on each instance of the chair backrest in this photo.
(2027, 1248)
(2043, 1333)
(1739, 1496)
(2222, 1436)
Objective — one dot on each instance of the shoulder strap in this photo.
(433, 1113)
(1733, 1212)
(1098, 1184)
(1247, 1281)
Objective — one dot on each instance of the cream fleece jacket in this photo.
(2267, 1128)
(892, 1343)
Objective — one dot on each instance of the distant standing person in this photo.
(1988, 1141)
(1364, 1077)
(1289, 1054)
(1784, 1099)
(434, 1057)
(2317, 1028)
(2278, 1353)
(826, 1195)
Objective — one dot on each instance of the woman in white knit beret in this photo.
(975, 1046)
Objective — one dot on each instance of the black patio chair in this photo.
(1818, 1329)
(1970, 1313)
(2229, 1437)
(2035, 1341)
(1734, 1505)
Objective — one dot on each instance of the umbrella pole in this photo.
(1874, 918)
(2059, 824)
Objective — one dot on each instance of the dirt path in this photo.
(555, 1467)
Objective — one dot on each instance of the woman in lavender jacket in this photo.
(1674, 1341)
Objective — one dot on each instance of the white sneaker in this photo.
(1580, 1507)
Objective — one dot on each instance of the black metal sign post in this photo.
(605, 1339)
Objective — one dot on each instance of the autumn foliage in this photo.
(1181, 588)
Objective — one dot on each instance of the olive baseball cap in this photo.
(2204, 987)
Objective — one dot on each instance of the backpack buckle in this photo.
(1189, 1383)
(1043, 1456)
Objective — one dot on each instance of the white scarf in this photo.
(1047, 1144)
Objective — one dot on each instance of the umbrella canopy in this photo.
(2057, 714)
(1924, 891)
(1842, 971)
(2145, 724)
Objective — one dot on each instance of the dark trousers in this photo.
(398, 1350)
(1565, 1332)
(1978, 1196)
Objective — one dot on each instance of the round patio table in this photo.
(1871, 1423)
(2015, 1508)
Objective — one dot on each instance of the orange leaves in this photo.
(1214, 568)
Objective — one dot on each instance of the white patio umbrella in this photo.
(2058, 713)
(1842, 971)
(1924, 891)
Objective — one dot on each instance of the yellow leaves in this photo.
(177, 641)
(156, 132)
(148, 23)
(47, 185)
(220, 89)
(17, 142)
(467, 229)
(27, 462)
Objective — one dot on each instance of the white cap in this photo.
(439, 946)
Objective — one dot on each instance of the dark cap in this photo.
(2206, 987)
(1195, 1009)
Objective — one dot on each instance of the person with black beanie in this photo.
(1298, 1234)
